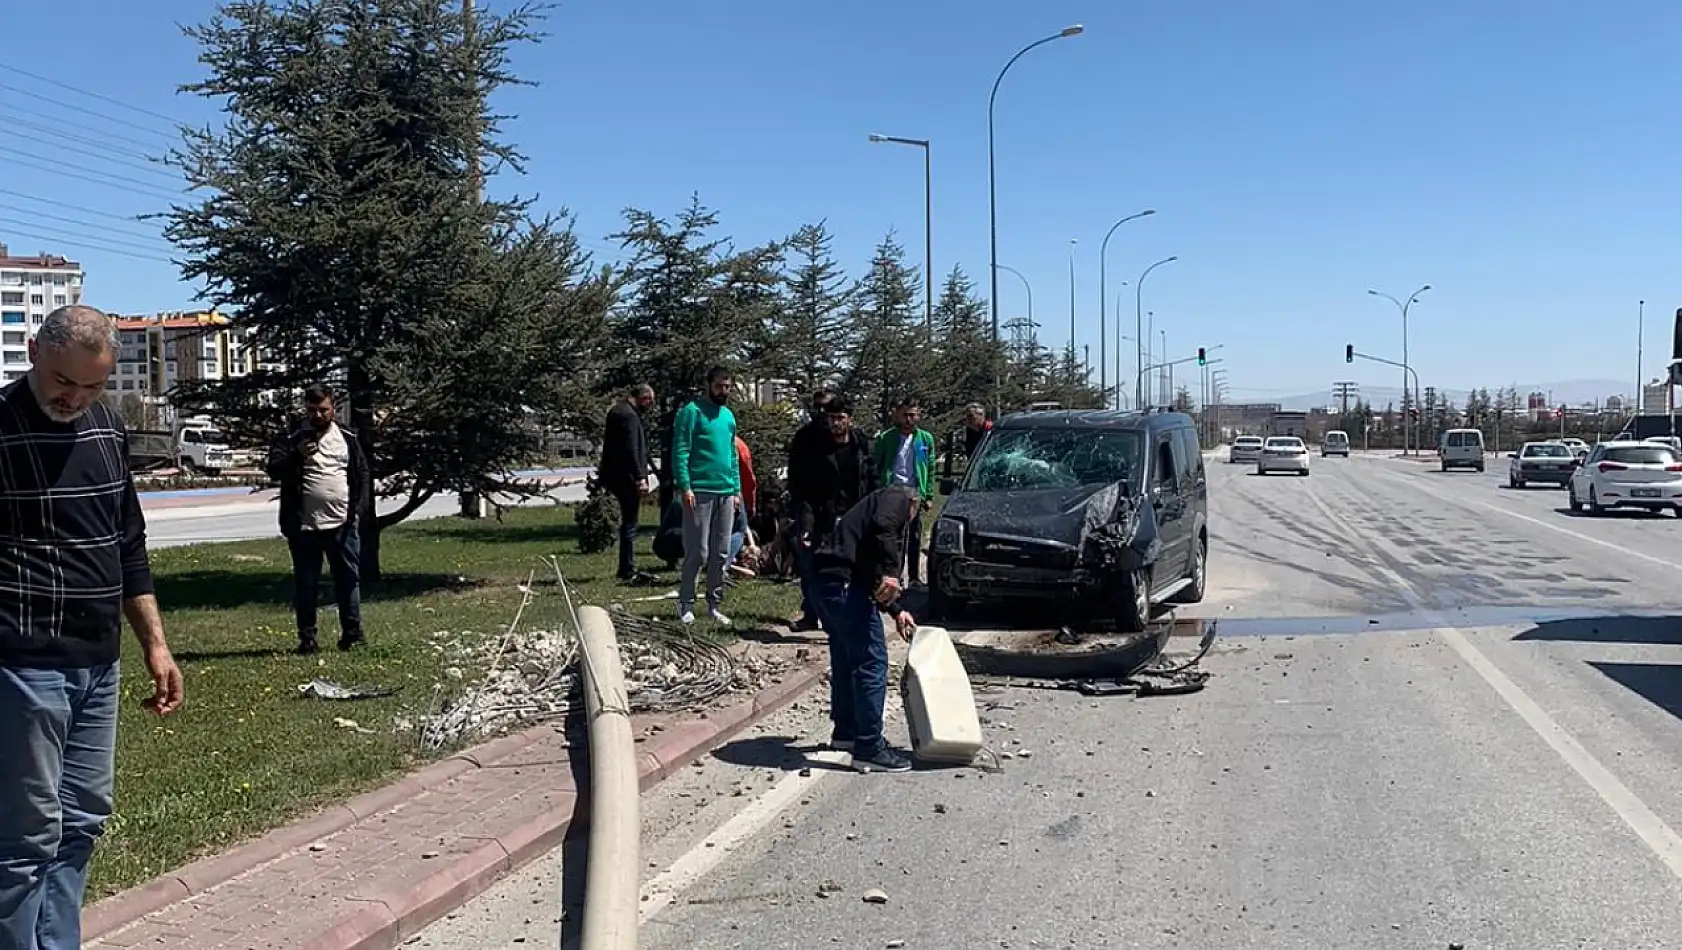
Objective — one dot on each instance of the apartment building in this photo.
(158, 351)
(30, 288)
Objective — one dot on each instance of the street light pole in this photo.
(1640, 357)
(1407, 426)
(1103, 301)
(1139, 328)
(1025, 286)
(992, 190)
(928, 224)
(1072, 375)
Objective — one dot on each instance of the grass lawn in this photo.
(247, 752)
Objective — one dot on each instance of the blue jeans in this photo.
(58, 742)
(858, 663)
(738, 533)
(342, 547)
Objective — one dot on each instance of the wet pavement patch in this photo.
(1528, 617)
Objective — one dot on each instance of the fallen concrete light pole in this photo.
(613, 881)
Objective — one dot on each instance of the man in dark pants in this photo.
(624, 469)
(324, 493)
(857, 581)
(807, 438)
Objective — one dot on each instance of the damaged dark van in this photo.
(1099, 510)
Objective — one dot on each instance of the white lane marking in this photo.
(1658, 836)
(1553, 527)
(665, 888)
(1649, 827)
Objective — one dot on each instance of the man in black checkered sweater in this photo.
(73, 564)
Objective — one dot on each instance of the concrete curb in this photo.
(394, 915)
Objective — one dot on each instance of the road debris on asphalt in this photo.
(531, 674)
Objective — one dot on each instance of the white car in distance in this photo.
(1245, 448)
(1283, 453)
(1645, 475)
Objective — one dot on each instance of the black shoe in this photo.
(307, 646)
(804, 625)
(350, 640)
(887, 760)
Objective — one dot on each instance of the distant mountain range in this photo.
(1571, 392)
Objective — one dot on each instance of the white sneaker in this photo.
(686, 617)
(719, 618)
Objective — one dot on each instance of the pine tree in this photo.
(342, 223)
(693, 303)
(806, 345)
(966, 362)
(887, 359)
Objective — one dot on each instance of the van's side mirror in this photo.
(948, 486)
(1512, 455)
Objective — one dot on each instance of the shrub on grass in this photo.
(598, 520)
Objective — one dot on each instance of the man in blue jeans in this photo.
(73, 558)
(857, 573)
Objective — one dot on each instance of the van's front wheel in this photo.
(1133, 601)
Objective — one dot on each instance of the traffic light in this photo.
(1202, 356)
(1349, 352)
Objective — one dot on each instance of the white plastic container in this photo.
(939, 704)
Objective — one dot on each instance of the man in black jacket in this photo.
(857, 580)
(830, 468)
(624, 468)
(325, 491)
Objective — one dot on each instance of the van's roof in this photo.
(1096, 419)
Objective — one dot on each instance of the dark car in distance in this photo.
(1099, 509)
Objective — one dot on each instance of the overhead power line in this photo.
(112, 241)
(91, 95)
(70, 207)
(10, 113)
(54, 135)
(83, 222)
(85, 111)
(85, 245)
(58, 167)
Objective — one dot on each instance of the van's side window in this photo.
(1190, 456)
(1167, 467)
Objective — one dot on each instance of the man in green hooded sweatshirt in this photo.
(706, 477)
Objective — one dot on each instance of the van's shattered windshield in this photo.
(1028, 459)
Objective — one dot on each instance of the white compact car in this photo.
(1628, 475)
(1245, 448)
(1283, 453)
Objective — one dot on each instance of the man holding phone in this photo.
(857, 571)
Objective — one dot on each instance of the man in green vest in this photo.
(904, 455)
(705, 474)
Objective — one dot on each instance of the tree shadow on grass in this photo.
(223, 590)
(494, 532)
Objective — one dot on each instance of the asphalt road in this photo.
(1443, 714)
(246, 520)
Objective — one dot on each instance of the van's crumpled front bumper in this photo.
(1117, 535)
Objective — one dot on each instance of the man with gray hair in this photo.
(73, 564)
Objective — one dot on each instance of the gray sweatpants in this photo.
(706, 539)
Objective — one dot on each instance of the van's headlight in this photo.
(948, 536)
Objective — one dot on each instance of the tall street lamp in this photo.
(1407, 428)
(992, 191)
(1025, 286)
(1139, 327)
(1103, 298)
(928, 223)
(1072, 351)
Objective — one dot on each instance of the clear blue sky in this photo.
(1519, 156)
